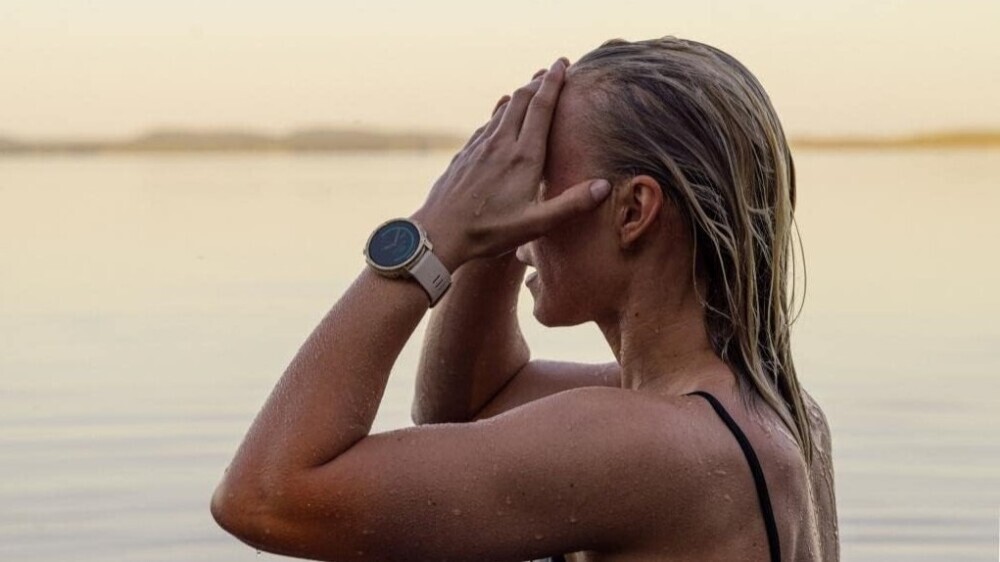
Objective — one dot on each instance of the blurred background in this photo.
(185, 189)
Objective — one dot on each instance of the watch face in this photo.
(394, 243)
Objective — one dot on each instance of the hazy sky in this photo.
(115, 67)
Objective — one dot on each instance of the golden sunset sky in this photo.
(117, 67)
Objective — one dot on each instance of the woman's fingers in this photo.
(513, 116)
(574, 201)
(503, 99)
(510, 112)
(476, 135)
(538, 118)
(494, 121)
(487, 129)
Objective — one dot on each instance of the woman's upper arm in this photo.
(538, 379)
(528, 484)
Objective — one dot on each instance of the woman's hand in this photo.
(486, 203)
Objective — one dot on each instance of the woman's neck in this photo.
(660, 339)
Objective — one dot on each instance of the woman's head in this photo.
(695, 151)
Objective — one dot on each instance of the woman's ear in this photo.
(639, 203)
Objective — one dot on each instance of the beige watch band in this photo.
(432, 275)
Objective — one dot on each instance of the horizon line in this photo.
(345, 138)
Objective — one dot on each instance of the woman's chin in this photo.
(539, 316)
(543, 311)
(545, 315)
(539, 311)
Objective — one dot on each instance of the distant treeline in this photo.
(197, 141)
(942, 139)
(332, 140)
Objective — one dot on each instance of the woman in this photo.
(651, 186)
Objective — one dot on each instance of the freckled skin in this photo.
(607, 462)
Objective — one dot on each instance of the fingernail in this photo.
(564, 60)
(600, 189)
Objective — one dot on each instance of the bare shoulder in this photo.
(690, 474)
(650, 436)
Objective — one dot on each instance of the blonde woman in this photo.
(651, 187)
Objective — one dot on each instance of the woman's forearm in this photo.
(328, 396)
(473, 344)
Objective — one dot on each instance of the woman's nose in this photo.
(522, 255)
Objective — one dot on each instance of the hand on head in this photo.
(486, 202)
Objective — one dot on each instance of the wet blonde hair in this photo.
(696, 120)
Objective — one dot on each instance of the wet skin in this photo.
(630, 470)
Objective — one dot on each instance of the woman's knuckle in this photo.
(524, 157)
(524, 92)
(544, 101)
(489, 147)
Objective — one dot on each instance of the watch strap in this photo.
(432, 275)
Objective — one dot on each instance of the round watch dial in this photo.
(394, 243)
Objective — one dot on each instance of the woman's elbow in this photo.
(249, 495)
(242, 512)
(283, 522)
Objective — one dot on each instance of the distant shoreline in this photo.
(940, 139)
(182, 140)
(347, 140)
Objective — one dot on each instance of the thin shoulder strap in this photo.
(755, 469)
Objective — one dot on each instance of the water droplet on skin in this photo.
(457, 511)
(719, 472)
(507, 500)
(539, 536)
(367, 532)
(573, 519)
(728, 498)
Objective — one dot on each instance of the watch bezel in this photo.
(422, 246)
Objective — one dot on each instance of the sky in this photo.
(110, 68)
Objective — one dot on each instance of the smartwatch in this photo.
(400, 248)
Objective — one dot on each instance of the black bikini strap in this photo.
(755, 469)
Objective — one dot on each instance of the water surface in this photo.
(148, 304)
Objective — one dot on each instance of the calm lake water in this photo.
(149, 303)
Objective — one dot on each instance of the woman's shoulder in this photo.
(688, 463)
(678, 436)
